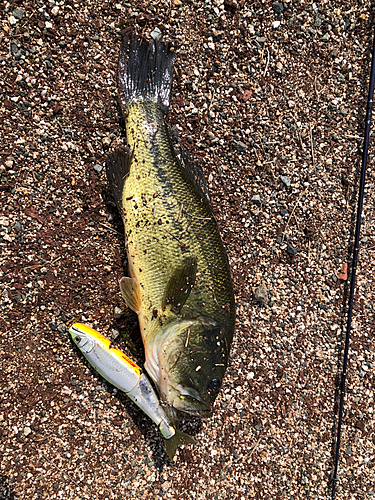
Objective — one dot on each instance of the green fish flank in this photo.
(180, 284)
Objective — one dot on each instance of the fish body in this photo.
(125, 375)
(180, 284)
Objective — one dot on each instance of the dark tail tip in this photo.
(145, 71)
(172, 443)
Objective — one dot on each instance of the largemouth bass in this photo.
(180, 284)
(123, 373)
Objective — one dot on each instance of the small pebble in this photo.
(118, 312)
(256, 200)
(98, 168)
(106, 142)
(156, 34)
(115, 333)
(285, 180)
(343, 275)
(241, 147)
(278, 7)
(13, 49)
(61, 328)
(18, 13)
(261, 294)
(317, 24)
(290, 250)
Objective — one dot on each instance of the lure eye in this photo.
(214, 385)
(77, 339)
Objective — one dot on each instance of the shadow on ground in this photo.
(6, 492)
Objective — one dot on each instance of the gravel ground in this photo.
(270, 98)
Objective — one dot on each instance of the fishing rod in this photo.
(354, 265)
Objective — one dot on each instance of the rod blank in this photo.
(355, 260)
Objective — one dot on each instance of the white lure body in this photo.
(113, 365)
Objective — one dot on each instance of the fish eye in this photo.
(214, 385)
(77, 339)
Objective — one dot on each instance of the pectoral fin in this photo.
(130, 292)
(180, 284)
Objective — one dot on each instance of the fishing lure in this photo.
(120, 371)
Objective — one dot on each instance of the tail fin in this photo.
(172, 443)
(145, 71)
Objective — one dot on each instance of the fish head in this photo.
(192, 367)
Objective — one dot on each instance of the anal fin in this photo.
(131, 293)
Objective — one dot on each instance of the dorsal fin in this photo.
(193, 169)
